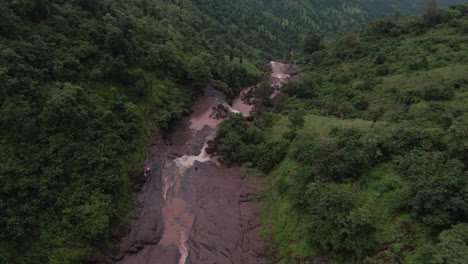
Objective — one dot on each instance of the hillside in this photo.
(86, 84)
(366, 157)
(275, 26)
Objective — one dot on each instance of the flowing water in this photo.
(207, 217)
(278, 72)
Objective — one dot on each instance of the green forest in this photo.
(365, 157)
(84, 84)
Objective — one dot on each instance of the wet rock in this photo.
(172, 156)
(212, 147)
(220, 111)
(141, 179)
(98, 259)
(119, 256)
(168, 142)
(224, 231)
(132, 250)
(214, 84)
(138, 245)
(135, 247)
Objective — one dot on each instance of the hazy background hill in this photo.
(273, 26)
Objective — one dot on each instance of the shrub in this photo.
(382, 70)
(434, 92)
(419, 64)
(269, 154)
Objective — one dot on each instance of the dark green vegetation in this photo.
(82, 86)
(373, 146)
(275, 26)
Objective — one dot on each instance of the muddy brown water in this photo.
(191, 210)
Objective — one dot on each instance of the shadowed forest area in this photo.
(365, 157)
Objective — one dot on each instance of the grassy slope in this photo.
(318, 126)
(382, 187)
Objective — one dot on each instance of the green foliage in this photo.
(84, 83)
(451, 247)
(296, 118)
(263, 93)
(337, 222)
(198, 72)
(269, 154)
(390, 189)
(312, 44)
(386, 63)
(437, 188)
(237, 139)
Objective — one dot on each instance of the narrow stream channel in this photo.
(207, 217)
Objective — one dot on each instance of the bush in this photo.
(382, 70)
(304, 89)
(337, 222)
(360, 103)
(419, 64)
(437, 188)
(270, 154)
(441, 92)
(237, 139)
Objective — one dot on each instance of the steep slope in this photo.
(376, 166)
(275, 26)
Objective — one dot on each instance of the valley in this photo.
(159, 131)
(193, 210)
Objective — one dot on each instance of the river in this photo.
(191, 210)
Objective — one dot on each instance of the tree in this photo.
(397, 14)
(431, 13)
(337, 222)
(263, 93)
(438, 187)
(312, 43)
(198, 72)
(297, 120)
(270, 154)
(40, 10)
(452, 247)
(375, 115)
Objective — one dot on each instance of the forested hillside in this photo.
(83, 84)
(276, 26)
(371, 145)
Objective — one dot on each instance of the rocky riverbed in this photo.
(191, 210)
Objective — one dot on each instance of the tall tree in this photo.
(297, 120)
(431, 13)
(199, 72)
(312, 43)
